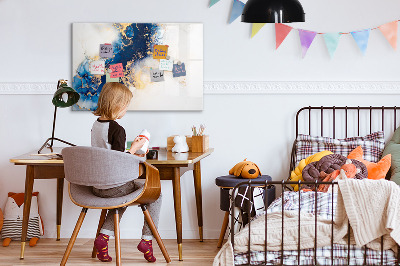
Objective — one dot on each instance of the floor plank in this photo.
(50, 252)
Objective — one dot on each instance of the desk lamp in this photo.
(64, 97)
(273, 11)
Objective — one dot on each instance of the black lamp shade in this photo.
(73, 96)
(273, 11)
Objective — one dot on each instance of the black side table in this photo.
(226, 183)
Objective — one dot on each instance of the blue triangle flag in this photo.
(213, 2)
(361, 37)
(237, 9)
(332, 41)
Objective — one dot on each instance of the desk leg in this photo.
(60, 190)
(199, 204)
(176, 182)
(27, 206)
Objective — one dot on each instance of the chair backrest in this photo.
(92, 166)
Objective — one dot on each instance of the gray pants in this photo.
(154, 208)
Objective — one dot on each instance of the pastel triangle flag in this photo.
(361, 37)
(256, 27)
(213, 2)
(281, 31)
(389, 30)
(237, 9)
(306, 39)
(332, 41)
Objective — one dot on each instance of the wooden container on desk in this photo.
(171, 143)
(200, 143)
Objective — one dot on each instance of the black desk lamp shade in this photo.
(64, 97)
(273, 11)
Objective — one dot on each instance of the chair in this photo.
(85, 167)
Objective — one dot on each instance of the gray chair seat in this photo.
(83, 196)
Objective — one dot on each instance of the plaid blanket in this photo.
(323, 205)
(340, 254)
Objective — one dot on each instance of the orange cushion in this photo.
(375, 170)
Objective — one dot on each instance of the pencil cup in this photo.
(200, 143)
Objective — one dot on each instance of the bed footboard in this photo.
(310, 254)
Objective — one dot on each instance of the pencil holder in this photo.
(200, 143)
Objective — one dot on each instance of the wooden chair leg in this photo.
(154, 230)
(223, 229)
(117, 238)
(73, 237)
(101, 222)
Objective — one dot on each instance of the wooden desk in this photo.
(171, 167)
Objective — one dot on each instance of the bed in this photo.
(298, 227)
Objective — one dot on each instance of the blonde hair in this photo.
(113, 98)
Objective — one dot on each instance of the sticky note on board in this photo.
(160, 51)
(156, 75)
(106, 50)
(117, 70)
(179, 70)
(166, 64)
(110, 79)
(97, 67)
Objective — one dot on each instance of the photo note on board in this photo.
(179, 70)
(160, 51)
(106, 50)
(156, 75)
(117, 70)
(97, 67)
(166, 64)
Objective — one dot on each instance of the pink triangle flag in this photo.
(389, 30)
(306, 39)
(281, 31)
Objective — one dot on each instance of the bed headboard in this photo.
(344, 121)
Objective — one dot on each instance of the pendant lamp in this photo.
(273, 11)
(63, 97)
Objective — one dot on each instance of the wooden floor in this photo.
(50, 252)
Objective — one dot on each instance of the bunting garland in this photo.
(361, 37)
(332, 41)
(237, 9)
(256, 27)
(389, 30)
(306, 39)
(281, 31)
(213, 2)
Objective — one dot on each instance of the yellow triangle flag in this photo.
(256, 28)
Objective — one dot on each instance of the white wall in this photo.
(36, 47)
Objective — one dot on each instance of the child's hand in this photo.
(137, 144)
(143, 155)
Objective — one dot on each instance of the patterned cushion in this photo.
(372, 144)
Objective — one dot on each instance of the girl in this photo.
(113, 102)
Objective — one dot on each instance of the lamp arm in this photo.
(54, 126)
(46, 143)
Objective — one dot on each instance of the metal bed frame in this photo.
(283, 184)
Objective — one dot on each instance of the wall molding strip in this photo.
(243, 87)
